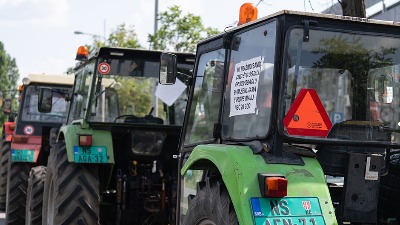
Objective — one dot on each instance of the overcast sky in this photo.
(39, 34)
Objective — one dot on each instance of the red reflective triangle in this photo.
(307, 116)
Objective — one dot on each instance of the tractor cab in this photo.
(293, 118)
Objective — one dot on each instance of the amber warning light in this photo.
(248, 12)
(82, 54)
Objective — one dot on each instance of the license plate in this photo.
(285, 211)
(22, 155)
(90, 154)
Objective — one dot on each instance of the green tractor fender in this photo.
(239, 169)
(100, 138)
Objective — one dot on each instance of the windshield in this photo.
(343, 86)
(58, 112)
(126, 91)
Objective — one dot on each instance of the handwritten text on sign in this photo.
(244, 86)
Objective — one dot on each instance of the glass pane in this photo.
(59, 109)
(83, 79)
(125, 93)
(356, 79)
(248, 94)
(206, 97)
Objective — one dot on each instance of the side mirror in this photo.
(45, 100)
(7, 106)
(167, 68)
(383, 86)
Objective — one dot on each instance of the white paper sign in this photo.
(370, 175)
(170, 93)
(244, 86)
(389, 94)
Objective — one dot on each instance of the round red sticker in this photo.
(28, 130)
(104, 68)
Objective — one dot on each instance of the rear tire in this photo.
(16, 192)
(5, 155)
(389, 193)
(34, 196)
(211, 205)
(5, 158)
(71, 191)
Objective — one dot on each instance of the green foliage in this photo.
(340, 52)
(123, 36)
(8, 76)
(179, 32)
(350, 54)
(135, 96)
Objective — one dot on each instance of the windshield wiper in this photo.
(98, 86)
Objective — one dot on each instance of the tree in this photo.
(179, 32)
(8, 76)
(354, 8)
(123, 36)
(348, 53)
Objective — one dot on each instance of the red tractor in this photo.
(30, 143)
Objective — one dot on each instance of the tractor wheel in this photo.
(71, 191)
(211, 205)
(389, 193)
(5, 158)
(17, 183)
(34, 196)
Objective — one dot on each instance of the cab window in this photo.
(206, 97)
(248, 93)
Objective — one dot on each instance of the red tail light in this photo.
(273, 185)
(85, 140)
(20, 139)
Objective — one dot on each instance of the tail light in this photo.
(20, 139)
(85, 140)
(273, 185)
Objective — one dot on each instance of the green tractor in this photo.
(292, 119)
(116, 159)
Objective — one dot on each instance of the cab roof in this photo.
(182, 57)
(305, 14)
(51, 79)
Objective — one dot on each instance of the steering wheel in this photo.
(122, 116)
